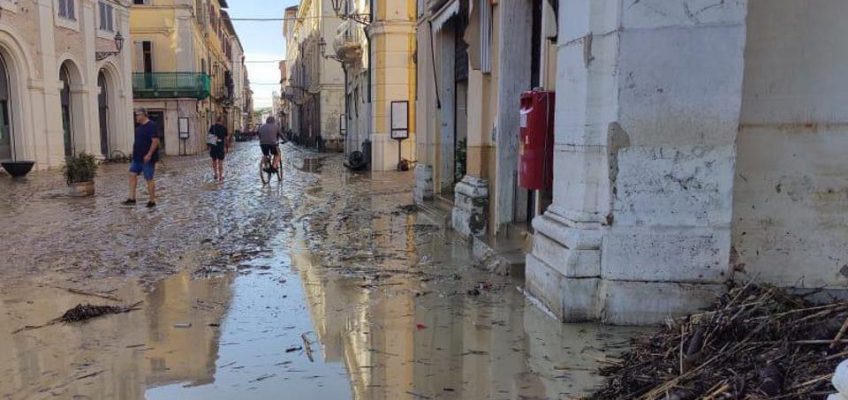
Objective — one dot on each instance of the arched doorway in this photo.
(65, 95)
(6, 140)
(103, 112)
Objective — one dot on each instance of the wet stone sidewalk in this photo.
(326, 286)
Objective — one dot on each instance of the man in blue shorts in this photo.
(144, 157)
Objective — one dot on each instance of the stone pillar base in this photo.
(470, 212)
(564, 272)
(423, 190)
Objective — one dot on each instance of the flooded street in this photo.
(329, 285)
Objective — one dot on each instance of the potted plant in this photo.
(79, 173)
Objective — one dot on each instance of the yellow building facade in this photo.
(183, 68)
(377, 48)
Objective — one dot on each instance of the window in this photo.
(147, 56)
(66, 9)
(107, 21)
(486, 24)
(141, 2)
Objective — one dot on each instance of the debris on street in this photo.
(84, 312)
(758, 342)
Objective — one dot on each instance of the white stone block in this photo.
(570, 299)
(681, 86)
(567, 262)
(645, 303)
(647, 14)
(698, 255)
(674, 186)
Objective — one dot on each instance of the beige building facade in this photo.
(189, 70)
(475, 58)
(315, 86)
(64, 88)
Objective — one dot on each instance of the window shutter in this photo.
(139, 56)
(71, 13)
(485, 36)
(101, 8)
(62, 8)
(110, 17)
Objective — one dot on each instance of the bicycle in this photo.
(266, 171)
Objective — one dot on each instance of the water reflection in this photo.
(115, 356)
(382, 297)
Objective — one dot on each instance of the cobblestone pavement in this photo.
(327, 286)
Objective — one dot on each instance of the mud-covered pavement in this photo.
(327, 286)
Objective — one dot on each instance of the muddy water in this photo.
(388, 303)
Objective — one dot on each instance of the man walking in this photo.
(144, 157)
(218, 145)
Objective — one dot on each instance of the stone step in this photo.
(436, 213)
(504, 255)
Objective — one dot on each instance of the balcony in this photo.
(348, 42)
(171, 85)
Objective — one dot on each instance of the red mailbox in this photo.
(536, 141)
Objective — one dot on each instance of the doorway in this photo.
(103, 113)
(67, 123)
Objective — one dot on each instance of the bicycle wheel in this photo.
(280, 170)
(265, 171)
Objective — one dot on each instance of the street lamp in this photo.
(322, 45)
(119, 45)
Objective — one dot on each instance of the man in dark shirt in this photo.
(218, 150)
(144, 157)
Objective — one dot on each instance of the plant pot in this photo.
(18, 169)
(82, 189)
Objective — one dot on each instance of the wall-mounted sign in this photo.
(183, 127)
(400, 120)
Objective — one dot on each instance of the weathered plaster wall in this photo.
(791, 186)
(649, 97)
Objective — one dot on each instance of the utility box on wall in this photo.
(536, 141)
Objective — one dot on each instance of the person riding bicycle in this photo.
(268, 135)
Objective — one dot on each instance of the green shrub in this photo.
(80, 168)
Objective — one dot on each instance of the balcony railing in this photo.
(348, 41)
(170, 85)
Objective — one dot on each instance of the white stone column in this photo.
(89, 69)
(515, 24)
(648, 107)
(49, 135)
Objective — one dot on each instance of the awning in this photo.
(441, 17)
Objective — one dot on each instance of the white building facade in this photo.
(64, 88)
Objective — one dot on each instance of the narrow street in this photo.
(329, 285)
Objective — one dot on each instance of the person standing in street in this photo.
(269, 135)
(144, 157)
(218, 142)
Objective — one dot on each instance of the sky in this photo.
(262, 41)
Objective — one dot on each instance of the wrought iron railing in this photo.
(169, 85)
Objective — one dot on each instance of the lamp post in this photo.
(322, 46)
(119, 46)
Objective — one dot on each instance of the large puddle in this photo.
(353, 298)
